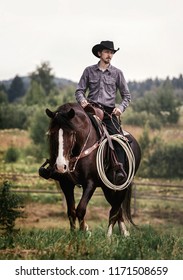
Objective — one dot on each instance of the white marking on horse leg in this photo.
(109, 232)
(88, 232)
(123, 229)
(86, 227)
(61, 162)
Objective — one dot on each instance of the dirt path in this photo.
(40, 215)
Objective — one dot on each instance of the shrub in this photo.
(141, 119)
(162, 161)
(166, 162)
(10, 208)
(12, 155)
(13, 116)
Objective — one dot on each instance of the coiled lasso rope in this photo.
(131, 161)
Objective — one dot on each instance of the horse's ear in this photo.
(49, 113)
(71, 113)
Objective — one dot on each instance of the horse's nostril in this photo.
(65, 166)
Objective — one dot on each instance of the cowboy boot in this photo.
(120, 175)
(45, 172)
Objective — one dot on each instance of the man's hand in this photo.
(117, 112)
(84, 103)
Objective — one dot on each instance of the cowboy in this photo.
(103, 81)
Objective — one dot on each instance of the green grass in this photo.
(162, 240)
(145, 243)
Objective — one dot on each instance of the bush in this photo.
(141, 119)
(163, 161)
(11, 155)
(10, 205)
(167, 162)
(13, 116)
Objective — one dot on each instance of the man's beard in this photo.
(107, 60)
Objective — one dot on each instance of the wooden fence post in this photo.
(135, 199)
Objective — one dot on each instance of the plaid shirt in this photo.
(103, 86)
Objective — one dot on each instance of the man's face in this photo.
(106, 55)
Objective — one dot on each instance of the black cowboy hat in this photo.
(103, 45)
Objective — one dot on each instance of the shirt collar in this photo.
(107, 69)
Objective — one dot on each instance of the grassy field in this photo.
(44, 233)
(146, 243)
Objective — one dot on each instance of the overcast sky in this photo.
(63, 32)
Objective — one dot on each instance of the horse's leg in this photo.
(71, 211)
(115, 199)
(88, 191)
(121, 224)
(116, 216)
(113, 218)
(123, 229)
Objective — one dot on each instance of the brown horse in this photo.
(73, 147)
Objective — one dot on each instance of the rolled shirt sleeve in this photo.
(124, 92)
(82, 87)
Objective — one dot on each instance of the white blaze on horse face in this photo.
(61, 162)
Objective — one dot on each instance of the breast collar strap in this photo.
(74, 160)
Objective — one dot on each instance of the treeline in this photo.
(140, 87)
(15, 88)
(21, 98)
(155, 103)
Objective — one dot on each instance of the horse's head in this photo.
(65, 133)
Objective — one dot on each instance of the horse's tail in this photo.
(126, 205)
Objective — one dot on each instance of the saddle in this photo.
(95, 110)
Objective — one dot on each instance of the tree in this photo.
(16, 89)
(169, 105)
(38, 127)
(3, 97)
(35, 94)
(42, 75)
(166, 162)
(161, 102)
(13, 116)
(3, 88)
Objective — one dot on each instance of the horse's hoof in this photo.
(88, 233)
(86, 227)
(126, 233)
